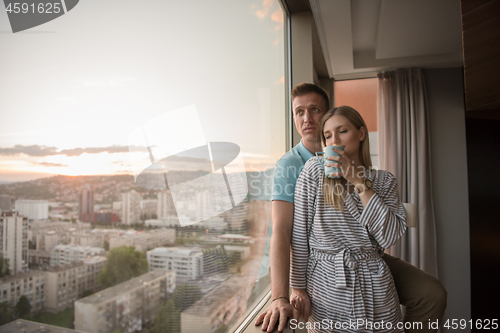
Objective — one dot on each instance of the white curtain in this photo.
(404, 150)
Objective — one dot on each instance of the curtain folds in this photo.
(404, 150)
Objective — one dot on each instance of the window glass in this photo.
(154, 125)
(361, 94)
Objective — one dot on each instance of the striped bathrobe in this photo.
(336, 255)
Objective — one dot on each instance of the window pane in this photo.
(362, 95)
(185, 100)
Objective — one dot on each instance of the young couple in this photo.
(329, 234)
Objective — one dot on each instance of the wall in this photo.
(450, 187)
(302, 55)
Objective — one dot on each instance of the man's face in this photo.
(308, 110)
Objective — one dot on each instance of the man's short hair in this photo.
(307, 88)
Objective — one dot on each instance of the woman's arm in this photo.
(384, 215)
(305, 194)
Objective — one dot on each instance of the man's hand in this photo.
(277, 312)
(300, 301)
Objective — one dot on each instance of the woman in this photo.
(341, 226)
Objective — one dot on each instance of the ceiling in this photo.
(359, 38)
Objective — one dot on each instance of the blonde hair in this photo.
(333, 196)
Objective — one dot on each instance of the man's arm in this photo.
(280, 309)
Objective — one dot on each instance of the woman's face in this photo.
(339, 131)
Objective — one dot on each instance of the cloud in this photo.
(262, 13)
(36, 150)
(277, 16)
(33, 150)
(52, 165)
(94, 150)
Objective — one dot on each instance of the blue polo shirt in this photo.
(287, 172)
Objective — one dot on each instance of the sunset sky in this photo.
(74, 89)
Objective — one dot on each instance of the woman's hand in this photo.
(300, 301)
(348, 170)
(277, 314)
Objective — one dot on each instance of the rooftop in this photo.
(11, 213)
(94, 260)
(112, 292)
(184, 251)
(20, 276)
(234, 236)
(78, 248)
(21, 325)
(64, 267)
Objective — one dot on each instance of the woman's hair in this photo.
(333, 188)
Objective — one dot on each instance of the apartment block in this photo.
(39, 259)
(65, 284)
(31, 284)
(5, 202)
(149, 208)
(33, 209)
(164, 222)
(187, 263)
(88, 239)
(14, 240)
(128, 306)
(165, 205)
(131, 209)
(67, 254)
(46, 235)
(86, 204)
(141, 240)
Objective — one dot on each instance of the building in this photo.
(187, 263)
(127, 306)
(67, 254)
(235, 239)
(86, 204)
(131, 209)
(46, 235)
(26, 326)
(65, 284)
(88, 239)
(242, 252)
(143, 240)
(165, 204)
(217, 224)
(237, 218)
(14, 240)
(222, 306)
(166, 221)
(39, 259)
(5, 202)
(33, 209)
(149, 209)
(31, 284)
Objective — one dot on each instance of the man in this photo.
(422, 294)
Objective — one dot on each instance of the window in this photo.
(222, 63)
(361, 94)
